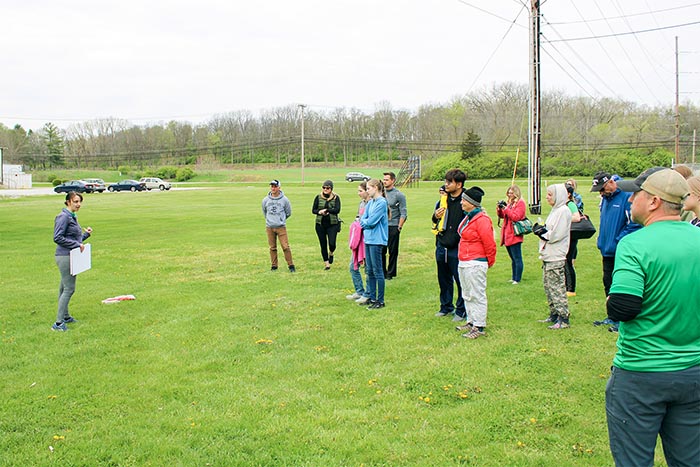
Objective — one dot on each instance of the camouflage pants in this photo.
(555, 289)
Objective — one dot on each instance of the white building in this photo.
(14, 178)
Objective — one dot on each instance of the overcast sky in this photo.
(150, 61)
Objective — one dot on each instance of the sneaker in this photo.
(515, 282)
(441, 314)
(375, 305)
(614, 328)
(353, 296)
(559, 325)
(273, 268)
(70, 319)
(458, 318)
(464, 327)
(549, 319)
(605, 322)
(59, 327)
(570, 294)
(362, 300)
(474, 334)
(292, 268)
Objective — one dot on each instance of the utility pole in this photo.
(678, 113)
(302, 106)
(533, 152)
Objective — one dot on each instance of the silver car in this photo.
(154, 182)
(356, 177)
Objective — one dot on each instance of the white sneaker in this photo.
(362, 300)
(515, 282)
(354, 296)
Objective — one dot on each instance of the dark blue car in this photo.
(127, 185)
(78, 186)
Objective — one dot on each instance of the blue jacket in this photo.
(615, 221)
(375, 222)
(67, 233)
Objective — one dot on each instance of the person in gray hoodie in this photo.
(553, 247)
(277, 208)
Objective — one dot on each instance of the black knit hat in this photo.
(473, 195)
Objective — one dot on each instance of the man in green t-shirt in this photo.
(654, 388)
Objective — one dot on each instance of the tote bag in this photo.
(582, 230)
(522, 227)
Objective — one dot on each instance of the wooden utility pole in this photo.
(678, 113)
(533, 150)
(302, 106)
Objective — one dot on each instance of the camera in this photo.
(502, 204)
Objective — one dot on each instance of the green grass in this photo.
(222, 362)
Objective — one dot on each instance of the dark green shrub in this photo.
(167, 172)
(56, 181)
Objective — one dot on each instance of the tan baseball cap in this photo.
(665, 183)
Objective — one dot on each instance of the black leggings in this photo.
(326, 238)
(569, 271)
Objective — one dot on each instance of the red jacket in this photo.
(512, 212)
(477, 239)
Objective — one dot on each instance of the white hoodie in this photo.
(555, 244)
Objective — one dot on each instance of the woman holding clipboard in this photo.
(68, 235)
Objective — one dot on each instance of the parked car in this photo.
(154, 182)
(128, 185)
(96, 184)
(79, 186)
(356, 177)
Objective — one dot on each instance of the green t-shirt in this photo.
(661, 264)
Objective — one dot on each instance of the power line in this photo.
(571, 39)
(489, 13)
(650, 12)
(495, 50)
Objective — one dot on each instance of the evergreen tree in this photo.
(54, 144)
(471, 146)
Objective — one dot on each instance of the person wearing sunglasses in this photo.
(326, 207)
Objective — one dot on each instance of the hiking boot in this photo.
(464, 327)
(362, 300)
(474, 333)
(353, 296)
(59, 327)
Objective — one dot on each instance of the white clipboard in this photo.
(80, 261)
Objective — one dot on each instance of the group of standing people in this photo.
(374, 236)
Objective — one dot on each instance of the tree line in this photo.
(578, 132)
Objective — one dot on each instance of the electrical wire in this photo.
(641, 31)
(488, 12)
(471, 86)
(650, 12)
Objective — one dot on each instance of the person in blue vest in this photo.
(615, 223)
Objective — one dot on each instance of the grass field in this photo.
(221, 362)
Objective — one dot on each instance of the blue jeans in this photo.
(375, 272)
(356, 275)
(642, 405)
(516, 261)
(447, 274)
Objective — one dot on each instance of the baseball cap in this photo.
(600, 179)
(665, 183)
(275, 183)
